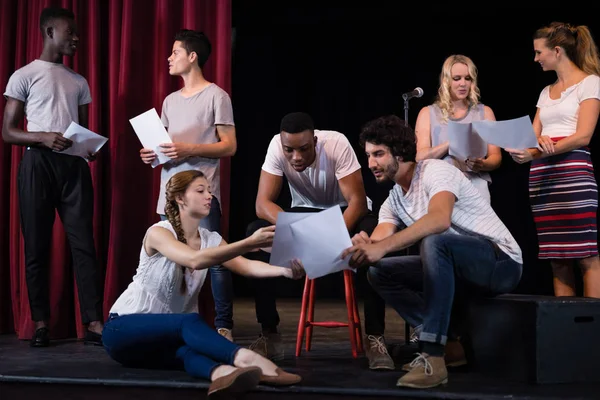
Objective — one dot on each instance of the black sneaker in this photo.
(41, 338)
(92, 338)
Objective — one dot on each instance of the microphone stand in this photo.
(405, 97)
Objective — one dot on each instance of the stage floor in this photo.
(328, 370)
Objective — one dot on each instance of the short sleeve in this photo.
(85, 96)
(274, 158)
(346, 161)
(163, 114)
(17, 87)
(541, 98)
(589, 88)
(387, 215)
(441, 177)
(223, 109)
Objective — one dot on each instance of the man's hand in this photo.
(92, 156)
(361, 238)
(364, 254)
(176, 151)
(147, 155)
(55, 141)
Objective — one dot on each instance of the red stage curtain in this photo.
(124, 45)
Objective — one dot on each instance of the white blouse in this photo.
(559, 116)
(156, 285)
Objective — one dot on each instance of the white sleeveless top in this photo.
(156, 286)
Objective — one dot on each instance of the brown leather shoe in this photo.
(454, 355)
(281, 379)
(239, 381)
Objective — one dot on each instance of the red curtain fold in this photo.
(124, 45)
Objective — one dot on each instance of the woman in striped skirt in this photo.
(562, 186)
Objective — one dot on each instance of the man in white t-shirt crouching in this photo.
(322, 171)
(464, 246)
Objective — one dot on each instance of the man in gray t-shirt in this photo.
(52, 96)
(199, 119)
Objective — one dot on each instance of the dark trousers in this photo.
(50, 182)
(265, 289)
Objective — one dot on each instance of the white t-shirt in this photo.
(559, 116)
(317, 186)
(155, 288)
(471, 216)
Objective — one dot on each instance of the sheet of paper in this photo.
(316, 239)
(152, 133)
(465, 142)
(514, 133)
(283, 249)
(85, 142)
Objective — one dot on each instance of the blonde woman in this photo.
(562, 187)
(457, 100)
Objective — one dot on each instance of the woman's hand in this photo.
(263, 237)
(296, 271)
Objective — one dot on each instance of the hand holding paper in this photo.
(512, 133)
(316, 239)
(152, 133)
(464, 141)
(85, 142)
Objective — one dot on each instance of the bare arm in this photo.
(586, 124)
(163, 241)
(14, 111)
(225, 147)
(353, 190)
(493, 158)
(437, 220)
(83, 115)
(269, 187)
(258, 269)
(423, 134)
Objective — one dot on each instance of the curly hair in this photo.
(392, 132)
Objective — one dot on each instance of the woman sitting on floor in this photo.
(155, 322)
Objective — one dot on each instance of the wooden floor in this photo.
(70, 370)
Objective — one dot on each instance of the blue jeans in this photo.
(220, 277)
(422, 288)
(167, 341)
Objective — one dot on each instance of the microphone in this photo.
(417, 92)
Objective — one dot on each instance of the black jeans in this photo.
(50, 182)
(265, 294)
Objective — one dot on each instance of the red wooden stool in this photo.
(306, 323)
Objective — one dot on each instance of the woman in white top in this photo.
(458, 101)
(155, 323)
(562, 186)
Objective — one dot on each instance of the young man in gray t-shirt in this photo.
(51, 96)
(199, 119)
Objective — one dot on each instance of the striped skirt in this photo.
(564, 199)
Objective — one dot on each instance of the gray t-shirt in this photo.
(52, 94)
(194, 119)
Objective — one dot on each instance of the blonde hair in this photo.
(577, 41)
(175, 187)
(444, 98)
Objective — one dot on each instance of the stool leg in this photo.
(348, 284)
(302, 320)
(359, 341)
(311, 315)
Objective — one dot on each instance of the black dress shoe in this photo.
(41, 338)
(92, 338)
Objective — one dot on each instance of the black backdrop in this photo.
(347, 65)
